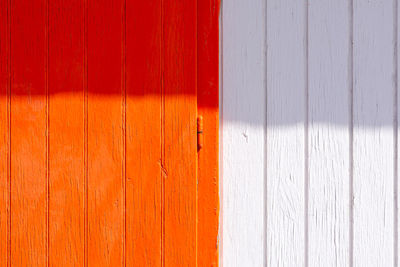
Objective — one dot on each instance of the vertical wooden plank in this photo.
(243, 131)
(286, 136)
(373, 133)
(329, 120)
(207, 102)
(105, 143)
(179, 132)
(66, 185)
(4, 130)
(143, 140)
(28, 131)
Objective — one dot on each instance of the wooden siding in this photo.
(99, 163)
(310, 133)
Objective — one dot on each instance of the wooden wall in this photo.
(309, 128)
(99, 161)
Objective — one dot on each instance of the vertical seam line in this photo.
(395, 136)
(351, 133)
(85, 130)
(47, 134)
(306, 163)
(124, 128)
(9, 137)
(162, 135)
(220, 133)
(265, 239)
(197, 114)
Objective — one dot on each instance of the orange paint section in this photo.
(66, 139)
(105, 181)
(207, 101)
(99, 103)
(179, 132)
(4, 133)
(28, 134)
(143, 139)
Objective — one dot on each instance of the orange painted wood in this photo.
(143, 139)
(207, 101)
(4, 132)
(179, 157)
(28, 133)
(105, 181)
(66, 128)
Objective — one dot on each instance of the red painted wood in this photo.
(28, 133)
(105, 134)
(143, 140)
(66, 138)
(207, 101)
(4, 131)
(179, 156)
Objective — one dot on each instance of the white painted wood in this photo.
(309, 153)
(329, 120)
(373, 133)
(243, 129)
(286, 117)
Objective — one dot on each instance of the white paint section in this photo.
(373, 133)
(243, 131)
(329, 120)
(286, 116)
(309, 148)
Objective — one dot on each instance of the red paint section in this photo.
(143, 139)
(28, 134)
(66, 138)
(207, 101)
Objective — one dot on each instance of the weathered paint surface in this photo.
(310, 133)
(99, 163)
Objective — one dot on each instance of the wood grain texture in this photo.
(4, 130)
(105, 134)
(329, 122)
(286, 134)
(28, 131)
(66, 133)
(243, 129)
(179, 158)
(98, 110)
(373, 133)
(207, 102)
(143, 140)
